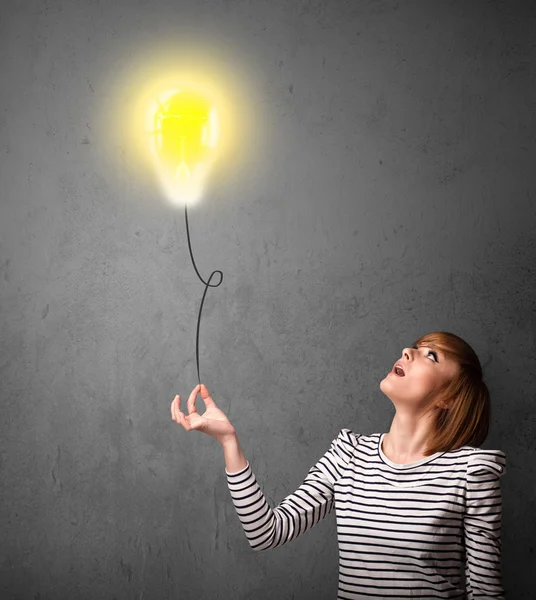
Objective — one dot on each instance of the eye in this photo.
(433, 354)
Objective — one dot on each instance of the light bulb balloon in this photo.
(182, 126)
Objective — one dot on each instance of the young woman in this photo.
(416, 507)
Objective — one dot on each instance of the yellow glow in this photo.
(221, 93)
(182, 131)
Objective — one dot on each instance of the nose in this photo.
(407, 354)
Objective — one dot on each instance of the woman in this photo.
(416, 507)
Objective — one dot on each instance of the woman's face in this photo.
(425, 371)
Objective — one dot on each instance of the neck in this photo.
(407, 438)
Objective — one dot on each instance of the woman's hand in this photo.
(213, 421)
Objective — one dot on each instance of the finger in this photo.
(173, 407)
(191, 422)
(209, 403)
(191, 400)
(183, 421)
(178, 409)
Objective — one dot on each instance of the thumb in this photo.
(209, 403)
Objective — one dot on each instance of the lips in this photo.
(398, 367)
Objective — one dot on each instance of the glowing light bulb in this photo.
(182, 125)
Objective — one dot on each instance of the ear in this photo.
(441, 402)
(444, 404)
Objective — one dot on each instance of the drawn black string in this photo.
(207, 285)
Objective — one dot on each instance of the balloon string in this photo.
(207, 285)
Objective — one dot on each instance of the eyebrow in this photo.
(438, 352)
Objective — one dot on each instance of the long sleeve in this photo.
(482, 524)
(267, 528)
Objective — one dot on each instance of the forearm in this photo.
(234, 457)
(265, 527)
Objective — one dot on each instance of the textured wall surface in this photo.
(391, 194)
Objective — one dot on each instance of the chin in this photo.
(386, 378)
(381, 388)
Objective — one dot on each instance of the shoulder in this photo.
(484, 470)
(348, 437)
(344, 444)
(486, 462)
(475, 460)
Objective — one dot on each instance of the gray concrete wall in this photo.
(388, 192)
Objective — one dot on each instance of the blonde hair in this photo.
(467, 419)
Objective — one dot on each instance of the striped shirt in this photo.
(404, 530)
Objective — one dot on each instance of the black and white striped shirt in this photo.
(404, 531)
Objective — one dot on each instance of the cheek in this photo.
(425, 380)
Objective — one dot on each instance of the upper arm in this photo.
(482, 524)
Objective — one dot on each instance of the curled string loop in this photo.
(207, 285)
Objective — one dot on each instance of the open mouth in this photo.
(398, 371)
